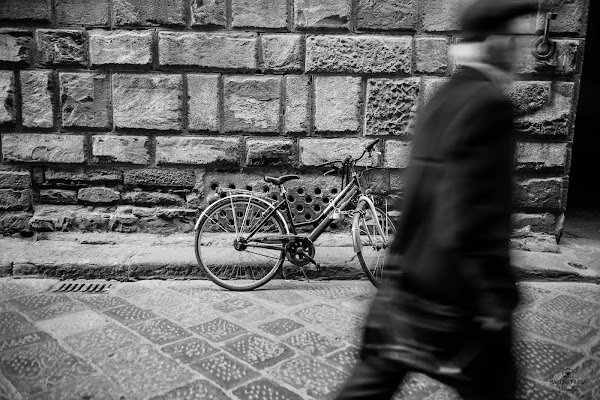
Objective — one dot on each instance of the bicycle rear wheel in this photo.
(223, 251)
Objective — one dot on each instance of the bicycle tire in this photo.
(230, 267)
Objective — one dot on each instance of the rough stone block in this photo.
(297, 108)
(317, 151)
(31, 10)
(11, 199)
(571, 18)
(85, 99)
(197, 150)
(397, 154)
(53, 218)
(58, 196)
(121, 149)
(10, 179)
(386, 14)
(35, 147)
(259, 13)
(81, 175)
(554, 118)
(538, 222)
(208, 13)
(359, 54)
(15, 45)
(7, 97)
(120, 47)
(36, 94)
(539, 193)
(337, 103)
(563, 62)
(251, 103)
(539, 156)
(164, 177)
(442, 15)
(61, 47)
(431, 54)
(147, 101)
(83, 12)
(207, 49)
(310, 14)
(528, 97)
(203, 102)
(152, 199)
(269, 152)
(11, 222)
(391, 106)
(144, 12)
(282, 52)
(102, 195)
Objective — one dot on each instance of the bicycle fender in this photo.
(356, 229)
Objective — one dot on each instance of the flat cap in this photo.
(485, 17)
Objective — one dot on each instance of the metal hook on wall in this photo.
(543, 48)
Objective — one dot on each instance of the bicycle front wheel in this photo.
(223, 249)
(370, 244)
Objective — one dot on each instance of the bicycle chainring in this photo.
(295, 250)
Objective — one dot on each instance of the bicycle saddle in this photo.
(281, 180)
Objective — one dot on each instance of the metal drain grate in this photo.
(81, 287)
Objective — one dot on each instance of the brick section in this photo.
(85, 99)
(540, 156)
(164, 177)
(282, 52)
(442, 15)
(528, 97)
(252, 103)
(268, 152)
(152, 199)
(309, 14)
(554, 118)
(337, 103)
(31, 10)
(209, 50)
(61, 47)
(397, 154)
(121, 149)
(149, 12)
(563, 62)
(15, 179)
(83, 12)
(297, 110)
(539, 193)
(147, 101)
(431, 55)
(317, 151)
(259, 13)
(7, 97)
(58, 196)
(359, 54)
(203, 102)
(81, 175)
(120, 47)
(197, 150)
(571, 18)
(208, 13)
(102, 195)
(386, 14)
(11, 199)
(35, 147)
(15, 45)
(391, 106)
(36, 94)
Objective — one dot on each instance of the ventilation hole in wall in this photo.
(266, 189)
(214, 186)
(231, 186)
(222, 195)
(334, 191)
(299, 208)
(317, 191)
(249, 188)
(333, 226)
(317, 208)
(307, 217)
(291, 199)
(325, 200)
(300, 191)
(308, 199)
(275, 197)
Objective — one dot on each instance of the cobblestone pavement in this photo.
(288, 340)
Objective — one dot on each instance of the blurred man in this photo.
(446, 300)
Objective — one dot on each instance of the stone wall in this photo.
(124, 115)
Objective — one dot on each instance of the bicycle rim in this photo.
(232, 266)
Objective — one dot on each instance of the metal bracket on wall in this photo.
(543, 48)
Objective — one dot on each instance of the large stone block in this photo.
(85, 99)
(539, 156)
(99, 194)
(15, 179)
(442, 15)
(83, 12)
(391, 106)
(31, 10)
(81, 175)
(36, 95)
(164, 177)
(11, 222)
(208, 13)
(197, 150)
(563, 62)
(310, 14)
(528, 97)
(270, 152)
(554, 118)
(208, 49)
(120, 47)
(545, 193)
(543, 222)
(7, 97)
(397, 154)
(12, 199)
(431, 54)
(61, 47)
(152, 199)
(147, 101)
(337, 103)
(15, 45)
(259, 13)
(297, 108)
(58, 196)
(282, 52)
(35, 147)
(386, 14)
(571, 18)
(147, 12)
(359, 54)
(53, 218)
(121, 149)
(317, 151)
(203, 102)
(251, 103)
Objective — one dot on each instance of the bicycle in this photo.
(243, 239)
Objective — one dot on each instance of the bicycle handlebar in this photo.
(368, 148)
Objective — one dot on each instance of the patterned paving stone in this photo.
(345, 359)
(127, 289)
(445, 393)
(203, 294)
(161, 331)
(42, 366)
(280, 326)
(589, 292)
(319, 380)
(530, 294)
(23, 339)
(341, 290)
(258, 351)
(10, 288)
(73, 323)
(570, 307)
(101, 301)
(187, 314)
(218, 330)
(554, 328)
(55, 310)
(417, 387)
(528, 389)
(13, 324)
(198, 390)
(34, 301)
(8, 391)
(595, 351)
(190, 350)
(280, 297)
(97, 388)
(157, 298)
(541, 360)
(130, 314)
(265, 389)
(232, 305)
(313, 343)
(253, 314)
(224, 370)
(99, 343)
(153, 373)
(332, 319)
(584, 381)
